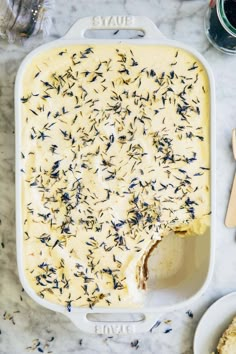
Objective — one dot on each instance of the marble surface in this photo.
(27, 327)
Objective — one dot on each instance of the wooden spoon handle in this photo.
(230, 219)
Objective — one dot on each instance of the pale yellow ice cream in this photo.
(115, 155)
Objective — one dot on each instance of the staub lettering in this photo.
(112, 21)
(114, 329)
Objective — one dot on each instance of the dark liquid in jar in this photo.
(230, 11)
(217, 32)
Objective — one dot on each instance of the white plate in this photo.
(213, 323)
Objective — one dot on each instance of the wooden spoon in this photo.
(230, 219)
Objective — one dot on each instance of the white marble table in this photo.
(23, 323)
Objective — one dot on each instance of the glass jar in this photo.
(220, 25)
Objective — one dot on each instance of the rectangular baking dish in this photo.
(193, 277)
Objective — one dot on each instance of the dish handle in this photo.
(142, 23)
(82, 322)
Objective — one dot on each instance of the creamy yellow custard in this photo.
(115, 155)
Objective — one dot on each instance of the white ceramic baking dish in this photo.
(194, 274)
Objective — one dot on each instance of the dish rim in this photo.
(19, 227)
